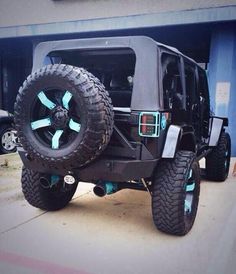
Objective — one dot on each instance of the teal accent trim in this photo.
(189, 196)
(110, 187)
(226, 160)
(41, 123)
(190, 174)
(190, 187)
(202, 15)
(45, 101)
(156, 125)
(74, 126)
(55, 139)
(66, 99)
(187, 206)
(163, 121)
(54, 180)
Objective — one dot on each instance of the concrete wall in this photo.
(222, 80)
(27, 12)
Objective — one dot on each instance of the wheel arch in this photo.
(6, 121)
(187, 142)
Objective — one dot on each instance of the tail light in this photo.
(149, 124)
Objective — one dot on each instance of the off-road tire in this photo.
(45, 198)
(218, 160)
(169, 193)
(96, 112)
(4, 129)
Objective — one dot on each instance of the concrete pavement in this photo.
(114, 234)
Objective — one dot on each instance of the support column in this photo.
(222, 76)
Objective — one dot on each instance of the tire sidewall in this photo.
(228, 150)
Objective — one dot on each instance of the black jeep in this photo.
(122, 112)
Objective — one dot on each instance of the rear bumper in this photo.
(117, 170)
(100, 169)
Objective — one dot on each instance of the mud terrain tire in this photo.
(218, 160)
(176, 182)
(42, 196)
(64, 116)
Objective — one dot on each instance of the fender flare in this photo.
(216, 129)
(171, 142)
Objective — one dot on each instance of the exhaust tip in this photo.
(99, 191)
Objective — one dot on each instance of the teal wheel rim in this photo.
(189, 190)
(226, 159)
(55, 118)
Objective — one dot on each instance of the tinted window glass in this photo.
(114, 68)
(204, 102)
(190, 83)
(171, 82)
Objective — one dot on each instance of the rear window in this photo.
(113, 67)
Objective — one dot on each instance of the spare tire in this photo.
(63, 116)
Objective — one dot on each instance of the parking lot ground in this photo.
(114, 234)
